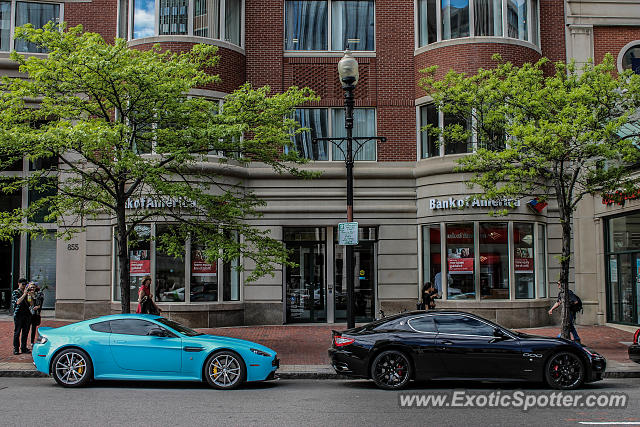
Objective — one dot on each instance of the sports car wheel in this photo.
(72, 368)
(564, 371)
(391, 370)
(225, 370)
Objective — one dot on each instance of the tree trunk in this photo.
(123, 260)
(565, 219)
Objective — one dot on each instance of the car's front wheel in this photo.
(225, 370)
(391, 370)
(565, 371)
(72, 368)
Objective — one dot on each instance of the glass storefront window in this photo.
(624, 233)
(523, 246)
(494, 260)
(541, 261)
(42, 266)
(432, 260)
(460, 261)
(190, 278)
(204, 276)
(170, 272)
(480, 259)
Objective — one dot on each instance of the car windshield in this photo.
(178, 327)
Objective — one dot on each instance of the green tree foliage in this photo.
(123, 127)
(554, 136)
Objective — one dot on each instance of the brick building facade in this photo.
(404, 188)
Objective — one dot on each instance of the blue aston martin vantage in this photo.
(148, 347)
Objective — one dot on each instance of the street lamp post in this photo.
(348, 72)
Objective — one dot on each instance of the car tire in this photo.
(564, 371)
(72, 368)
(225, 370)
(391, 370)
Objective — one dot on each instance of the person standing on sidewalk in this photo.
(35, 307)
(574, 306)
(21, 317)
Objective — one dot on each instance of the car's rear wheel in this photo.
(72, 368)
(391, 370)
(225, 370)
(565, 371)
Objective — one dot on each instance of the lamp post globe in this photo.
(348, 70)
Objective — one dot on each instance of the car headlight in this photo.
(260, 352)
(40, 339)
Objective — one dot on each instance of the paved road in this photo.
(39, 402)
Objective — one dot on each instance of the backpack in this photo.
(575, 303)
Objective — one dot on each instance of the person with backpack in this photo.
(575, 305)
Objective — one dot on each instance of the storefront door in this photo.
(364, 283)
(624, 288)
(9, 267)
(305, 285)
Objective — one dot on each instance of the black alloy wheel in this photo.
(391, 370)
(565, 371)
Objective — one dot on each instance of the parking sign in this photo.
(348, 233)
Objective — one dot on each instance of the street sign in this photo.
(348, 233)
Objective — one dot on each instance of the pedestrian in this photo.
(35, 307)
(575, 305)
(146, 304)
(21, 317)
(428, 297)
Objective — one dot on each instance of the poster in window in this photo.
(139, 262)
(523, 261)
(460, 260)
(200, 266)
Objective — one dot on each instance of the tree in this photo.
(554, 136)
(131, 144)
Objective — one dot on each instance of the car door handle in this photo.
(446, 342)
(119, 341)
(193, 349)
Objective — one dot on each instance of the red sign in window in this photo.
(460, 265)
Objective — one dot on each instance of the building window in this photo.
(622, 260)
(42, 265)
(186, 278)
(215, 19)
(323, 122)
(352, 25)
(429, 146)
(486, 260)
(17, 14)
(477, 18)
(631, 59)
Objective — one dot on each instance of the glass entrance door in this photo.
(364, 282)
(9, 266)
(305, 289)
(624, 288)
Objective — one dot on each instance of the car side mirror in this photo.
(157, 332)
(498, 333)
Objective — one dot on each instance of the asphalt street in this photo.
(39, 401)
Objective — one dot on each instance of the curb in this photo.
(31, 373)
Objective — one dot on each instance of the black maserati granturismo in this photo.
(424, 345)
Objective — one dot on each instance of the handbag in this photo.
(147, 306)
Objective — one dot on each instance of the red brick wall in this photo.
(396, 80)
(264, 42)
(468, 58)
(231, 66)
(552, 31)
(97, 16)
(612, 40)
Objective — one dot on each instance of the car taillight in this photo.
(342, 341)
(636, 336)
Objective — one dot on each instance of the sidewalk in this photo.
(302, 349)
